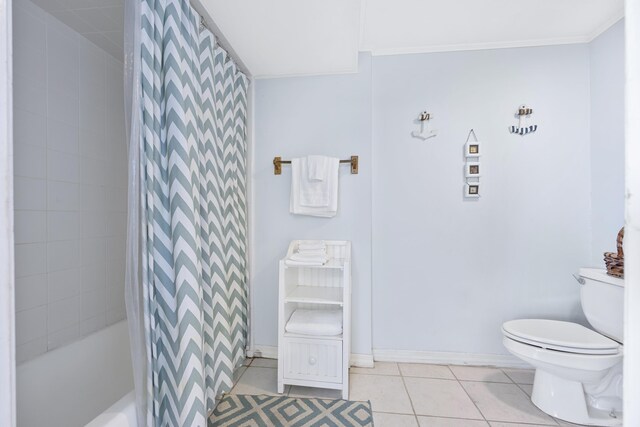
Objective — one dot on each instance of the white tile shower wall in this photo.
(70, 184)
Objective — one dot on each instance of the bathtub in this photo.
(120, 414)
(69, 386)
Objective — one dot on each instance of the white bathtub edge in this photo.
(120, 414)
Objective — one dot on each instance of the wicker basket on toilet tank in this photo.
(615, 261)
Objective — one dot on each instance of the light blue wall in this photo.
(607, 139)
(445, 272)
(295, 117)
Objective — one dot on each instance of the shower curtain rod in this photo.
(221, 42)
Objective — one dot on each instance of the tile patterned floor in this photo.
(421, 395)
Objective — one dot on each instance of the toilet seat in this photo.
(560, 336)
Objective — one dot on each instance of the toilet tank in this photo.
(602, 299)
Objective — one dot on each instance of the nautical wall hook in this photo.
(425, 129)
(523, 115)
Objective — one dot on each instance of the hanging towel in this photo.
(314, 198)
(315, 183)
(317, 168)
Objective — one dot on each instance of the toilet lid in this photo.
(558, 335)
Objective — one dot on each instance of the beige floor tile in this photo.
(426, 371)
(505, 402)
(386, 393)
(568, 424)
(450, 422)
(379, 368)
(238, 373)
(440, 398)
(320, 393)
(501, 424)
(258, 381)
(259, 362)
(520, 376)
(479, 373)
(381, 419)
(527, 388)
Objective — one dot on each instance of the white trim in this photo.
(265, 351)
(632, 217)
(479, 46)
(608, 24)
(447, 358)
(410, 356)
(271, 352)
(7, 307)
(251, 123)
(350, 70)
(361, 360)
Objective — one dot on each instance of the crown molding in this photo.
(479, 46)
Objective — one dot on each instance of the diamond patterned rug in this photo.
(282, 411)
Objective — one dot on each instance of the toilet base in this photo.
(565, 399)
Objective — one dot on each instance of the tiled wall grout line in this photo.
(59, 194)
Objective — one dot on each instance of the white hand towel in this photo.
(317, 168)
(315, 186)
(312, 252)
(290, 261)
(308, 245)
(309, 257)
(315, 322)
(301, 185)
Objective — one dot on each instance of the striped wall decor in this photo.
(523, 130)
(194, 214)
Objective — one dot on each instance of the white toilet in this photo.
(578, 371)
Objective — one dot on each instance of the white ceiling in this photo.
(290, 37)
(274, 38)
(409, 26)
(101, 21)
(301, 37)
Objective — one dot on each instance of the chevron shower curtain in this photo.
(186, 272)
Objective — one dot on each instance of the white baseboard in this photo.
(362, 360)
(411, 356)
(446, 358)
(271, 352)
(265, 351)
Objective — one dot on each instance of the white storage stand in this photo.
(312, 360)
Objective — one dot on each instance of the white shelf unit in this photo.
(315, 360)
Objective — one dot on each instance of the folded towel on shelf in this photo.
(315, 322)
(301, 256)
(309, 252)
(309, 262)
(311, 245)
(317, 168)
(313, 251)
(307, 259)
(314, 197)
